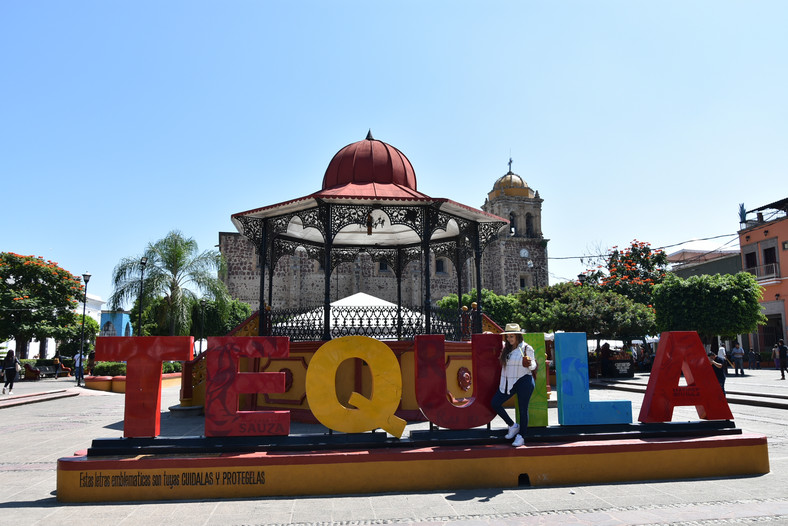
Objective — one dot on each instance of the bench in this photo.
(43, 371)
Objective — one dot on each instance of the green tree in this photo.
(37, 299)
(724, 305)
(502, 309)
(69, 344)
(573, 308)
(633, 271)
(219, 319)
(174, 266)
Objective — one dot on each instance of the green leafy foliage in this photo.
(119, 368)
(502, 309)
(174, 267)
(632, 272)
(570, 307)
(219, 318)
(724, 305)
(69, 345)
(37, 300)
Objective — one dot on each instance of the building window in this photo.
(108, 329)
(512, 224)
(440, 266)
(383, 266)
(769, 255)
(525, 282)
(529, 226)
(750, 260)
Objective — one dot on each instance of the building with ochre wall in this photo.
(764, 253)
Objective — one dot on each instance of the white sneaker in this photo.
(519, 441)
(513, 430)
(10, 392)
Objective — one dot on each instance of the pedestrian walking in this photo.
(518, 364)
(783, 355)
(718, 364)
(11, 366)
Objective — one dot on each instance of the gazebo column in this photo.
(326, 217)
(262, 315)
(425, 250)
(477, 256)
(399, 293)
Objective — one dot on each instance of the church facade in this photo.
(516, 259)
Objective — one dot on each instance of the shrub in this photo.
(119, 368)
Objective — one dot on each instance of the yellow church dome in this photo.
(511, 185)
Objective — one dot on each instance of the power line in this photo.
(657, 248)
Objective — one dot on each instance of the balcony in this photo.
(765, 272)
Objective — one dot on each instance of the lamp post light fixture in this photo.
(202, 321)
(143, 262)
(85, 279)
(582, 279)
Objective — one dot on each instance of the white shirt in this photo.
(513, 369)
(721, 353)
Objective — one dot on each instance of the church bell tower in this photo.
(518, 258)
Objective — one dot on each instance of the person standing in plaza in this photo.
(722, 354)
(782, 351)
(518, 363)
(737, 353)
(776, 357)
(10, 367)
(78, 371)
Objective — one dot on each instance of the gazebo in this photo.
(369, 202)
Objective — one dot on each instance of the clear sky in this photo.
(120, 121)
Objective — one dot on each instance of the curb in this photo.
(33, 398)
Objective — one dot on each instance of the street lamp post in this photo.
(143, 262)
(202, 321)
(85, 278)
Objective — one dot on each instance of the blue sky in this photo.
(120, 121)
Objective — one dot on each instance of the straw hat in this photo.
(512, 328)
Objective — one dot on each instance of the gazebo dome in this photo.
(369, 161)
(510, 184)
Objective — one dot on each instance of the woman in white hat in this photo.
(517, 366)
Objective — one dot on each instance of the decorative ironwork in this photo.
(298, 324)
(309, 219)
(488, 232)
(253, 230)
(343, 255)
(286, 247)
(344, 215)
(385, 254)
(381, 322)
(409, 216)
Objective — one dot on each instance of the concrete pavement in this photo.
(35, 435)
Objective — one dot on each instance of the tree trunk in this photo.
(22, 347)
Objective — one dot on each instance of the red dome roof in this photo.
(369, 161)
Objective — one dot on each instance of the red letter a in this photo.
(682, 352)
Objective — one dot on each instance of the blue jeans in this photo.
(523, 388)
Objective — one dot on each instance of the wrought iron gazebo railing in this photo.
(380, 322)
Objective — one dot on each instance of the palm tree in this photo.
(173, 266)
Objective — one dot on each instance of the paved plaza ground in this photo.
(35, 435)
